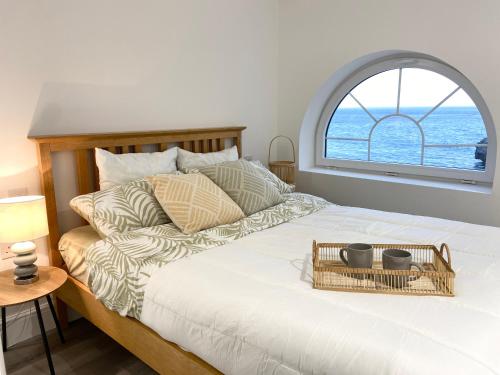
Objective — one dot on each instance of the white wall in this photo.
(317, 37)
(104, 66)
(94, 66)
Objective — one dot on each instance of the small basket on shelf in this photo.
(436, 279)
(284, 169)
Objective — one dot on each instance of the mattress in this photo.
(248, 307)
(73, 246)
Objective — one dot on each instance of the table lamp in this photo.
(23, 219)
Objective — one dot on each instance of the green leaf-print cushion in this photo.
(244, 183)
(282, 186)
(121, 208)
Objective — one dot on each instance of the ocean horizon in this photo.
(398, 139)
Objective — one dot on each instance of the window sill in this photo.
(405, 180)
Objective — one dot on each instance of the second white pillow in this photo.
(191, 160)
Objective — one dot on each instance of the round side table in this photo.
(51, 279)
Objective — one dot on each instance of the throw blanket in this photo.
(120, 265)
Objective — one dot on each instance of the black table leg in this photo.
(44, 337)
(4, 330)
(56, 321)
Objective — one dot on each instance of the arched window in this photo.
(408, 114)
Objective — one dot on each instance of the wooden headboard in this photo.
(87, 176)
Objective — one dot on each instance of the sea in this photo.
(399, 139)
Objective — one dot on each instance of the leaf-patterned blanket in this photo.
(120, 265)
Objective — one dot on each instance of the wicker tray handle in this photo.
(448, 255)
(271, 144)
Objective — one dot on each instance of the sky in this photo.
(419, 88)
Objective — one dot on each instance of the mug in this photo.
(397, 259)
(359, 255)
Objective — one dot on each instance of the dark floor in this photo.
(87, 351)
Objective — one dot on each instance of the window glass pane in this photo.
(348, 150)
(453, 157)
(350, 121)
(379, 91)
(454, 125)
(396, 140)
(421, 90)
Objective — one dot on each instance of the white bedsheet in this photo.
(248, 307)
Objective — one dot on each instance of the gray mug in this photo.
(359, 255)
(397, 259)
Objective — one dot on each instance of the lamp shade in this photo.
(22, 218)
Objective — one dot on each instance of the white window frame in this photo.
(401, 61)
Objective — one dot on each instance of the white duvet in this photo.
(248, 307)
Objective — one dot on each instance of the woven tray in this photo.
(330, 273)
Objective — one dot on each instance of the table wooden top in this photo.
(51, 278)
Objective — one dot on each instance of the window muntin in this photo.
(407, 116)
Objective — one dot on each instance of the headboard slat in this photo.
(82, 158)
(196, 146)
(237, 142)
(213, 145)
(96, 170)
(205, 146)
(87, 174)
(220, 144)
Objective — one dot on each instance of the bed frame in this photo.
(163, 356)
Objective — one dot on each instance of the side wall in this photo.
(315, 39)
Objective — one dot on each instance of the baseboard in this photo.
(22, 322)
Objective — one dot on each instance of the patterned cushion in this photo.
(121, 208)
(193, 202)
(282, 186)
(243, 182)
(190, 160)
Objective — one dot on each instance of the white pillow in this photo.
(190, 160)
(118, 169)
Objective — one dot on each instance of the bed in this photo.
(246, 305)
(161, 355)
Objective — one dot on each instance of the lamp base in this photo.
(26, 280)
(26, 271)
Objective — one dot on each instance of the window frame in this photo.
(400, 62)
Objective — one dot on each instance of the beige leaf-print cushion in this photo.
(194, 202)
